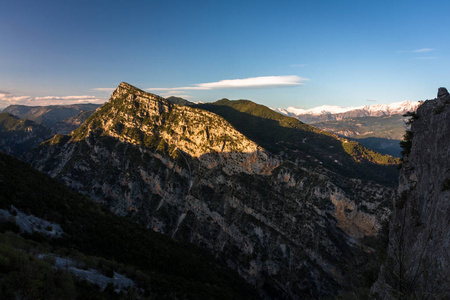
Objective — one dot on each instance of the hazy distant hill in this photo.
(18, 136)
(295, 210)
(70, 124)
(382, 134)
(50, 115)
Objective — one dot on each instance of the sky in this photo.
(303, 53)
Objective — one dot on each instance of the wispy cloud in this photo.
(371, 100)
(104, 89)
(245, 83)
(422, 50)
(175, 93)
(9, 97)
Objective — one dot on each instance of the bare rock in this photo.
(418, 263)
(442, 92)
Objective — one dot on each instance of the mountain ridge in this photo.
(56, 117)
(282, 134)
(333, 113)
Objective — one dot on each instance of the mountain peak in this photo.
(140, 118)
(442, 92)
(125, 87)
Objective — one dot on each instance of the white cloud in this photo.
(7, 98)
(245, 83)
(422, 50)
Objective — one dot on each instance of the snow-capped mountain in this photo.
(332, 113)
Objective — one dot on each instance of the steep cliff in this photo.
(418, 263)
(292, 229)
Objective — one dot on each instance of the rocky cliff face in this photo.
(418, 264)
(293, 232)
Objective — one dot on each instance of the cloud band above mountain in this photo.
(7, 98)
(245, 83)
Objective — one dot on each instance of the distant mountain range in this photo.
(59, 118)
(379, 127)
(336, 113)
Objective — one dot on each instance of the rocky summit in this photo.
(418, 263)
(292, 231)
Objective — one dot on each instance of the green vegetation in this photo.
(412, 115)
(161, 267)
(179, 101)
(25, 277)
(58, 138)
(281, 134)
(18, 136)
(361, 153)
(406, 143)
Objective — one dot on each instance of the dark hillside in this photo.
(287, 135)
(164, 268)
(18, 136)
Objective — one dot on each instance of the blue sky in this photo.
(293, 53)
